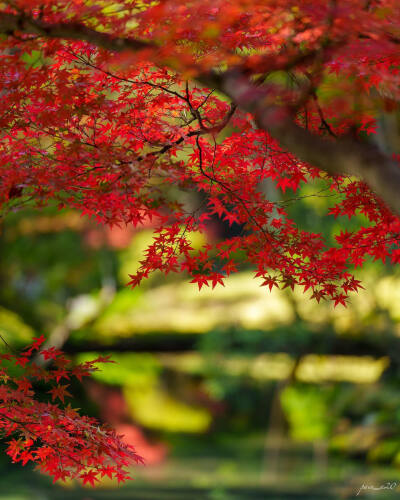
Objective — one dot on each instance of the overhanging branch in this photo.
(11, 23)
(341, 156)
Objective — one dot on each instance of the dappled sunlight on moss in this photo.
(149, 403)
(388, 295)
(307, 409)
(152, 407)
(279, 366)
(244, 304)
(356, 369)
(127, 368)
(182, 308)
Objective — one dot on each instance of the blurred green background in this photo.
(228, 394)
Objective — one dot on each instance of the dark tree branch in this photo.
(14, 23)
(315, 343)
(340, 156)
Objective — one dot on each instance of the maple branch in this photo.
(336, 157)
(341, 156)
(11, 23)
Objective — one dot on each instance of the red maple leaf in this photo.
(200, 280)
(59, 391)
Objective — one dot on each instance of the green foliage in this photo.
(127, 369)
(13, 330)
(308, 410)
(153, 407)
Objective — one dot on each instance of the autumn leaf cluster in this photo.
(61, 442)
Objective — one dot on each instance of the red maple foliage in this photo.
(61, 442)
(116, 109)
(118, 135)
